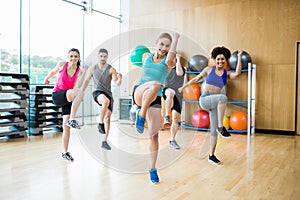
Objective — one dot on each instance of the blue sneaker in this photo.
(139, 122)
(153, 176)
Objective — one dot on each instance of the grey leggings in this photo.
(210, 102)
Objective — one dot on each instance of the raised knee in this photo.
(106, 102)
(169, 95)
(155, 86)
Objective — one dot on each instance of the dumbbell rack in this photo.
(13, 103)
(43, 115)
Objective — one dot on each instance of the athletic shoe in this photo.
(72, 123)
(67, 156)
(153, 176)
(105, 145)
(139, 122)
(101, 128)
(167, 120)
(213, 159)
(223, 132)
(173, 144)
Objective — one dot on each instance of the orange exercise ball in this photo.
(192, 92)
(238, 121)
(200, 119)
(226, 66)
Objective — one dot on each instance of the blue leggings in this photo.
(210, 102)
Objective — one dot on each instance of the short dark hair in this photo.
(221, 50)
(103, 51)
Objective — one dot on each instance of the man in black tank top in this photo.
(102, 74)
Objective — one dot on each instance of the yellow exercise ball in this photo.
(226, 122)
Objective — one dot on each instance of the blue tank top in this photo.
(154, 71)
(214, 79)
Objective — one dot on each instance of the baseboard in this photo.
(277, 132)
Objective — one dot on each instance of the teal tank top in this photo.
(154, 72)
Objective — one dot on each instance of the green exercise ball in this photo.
(136, 55)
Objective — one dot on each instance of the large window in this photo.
(10, 36)
(35, 35)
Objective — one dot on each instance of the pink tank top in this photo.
(64, 82)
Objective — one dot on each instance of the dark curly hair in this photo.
(221, 50)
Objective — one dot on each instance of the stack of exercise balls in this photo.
(237, 120)
(136, 56)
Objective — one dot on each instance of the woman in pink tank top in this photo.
(67, 94)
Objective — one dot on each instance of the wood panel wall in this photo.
(266, 29)
(298, 88)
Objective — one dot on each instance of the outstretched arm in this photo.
(195, 79)
(53, 72)
(238, 69)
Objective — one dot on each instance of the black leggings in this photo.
(60, 99)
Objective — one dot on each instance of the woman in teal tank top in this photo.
(147, 95)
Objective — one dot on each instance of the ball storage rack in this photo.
(249, 104)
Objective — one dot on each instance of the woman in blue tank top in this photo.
(147, 94)
(213, 98)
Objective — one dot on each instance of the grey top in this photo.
(174, 82)
(102, 79)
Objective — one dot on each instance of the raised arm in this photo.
(179, 70)
(238, 69)
(117, 77)
(53, 72)
(172, 52)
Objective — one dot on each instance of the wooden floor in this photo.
(266, 167)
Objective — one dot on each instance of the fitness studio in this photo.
(160, 99)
